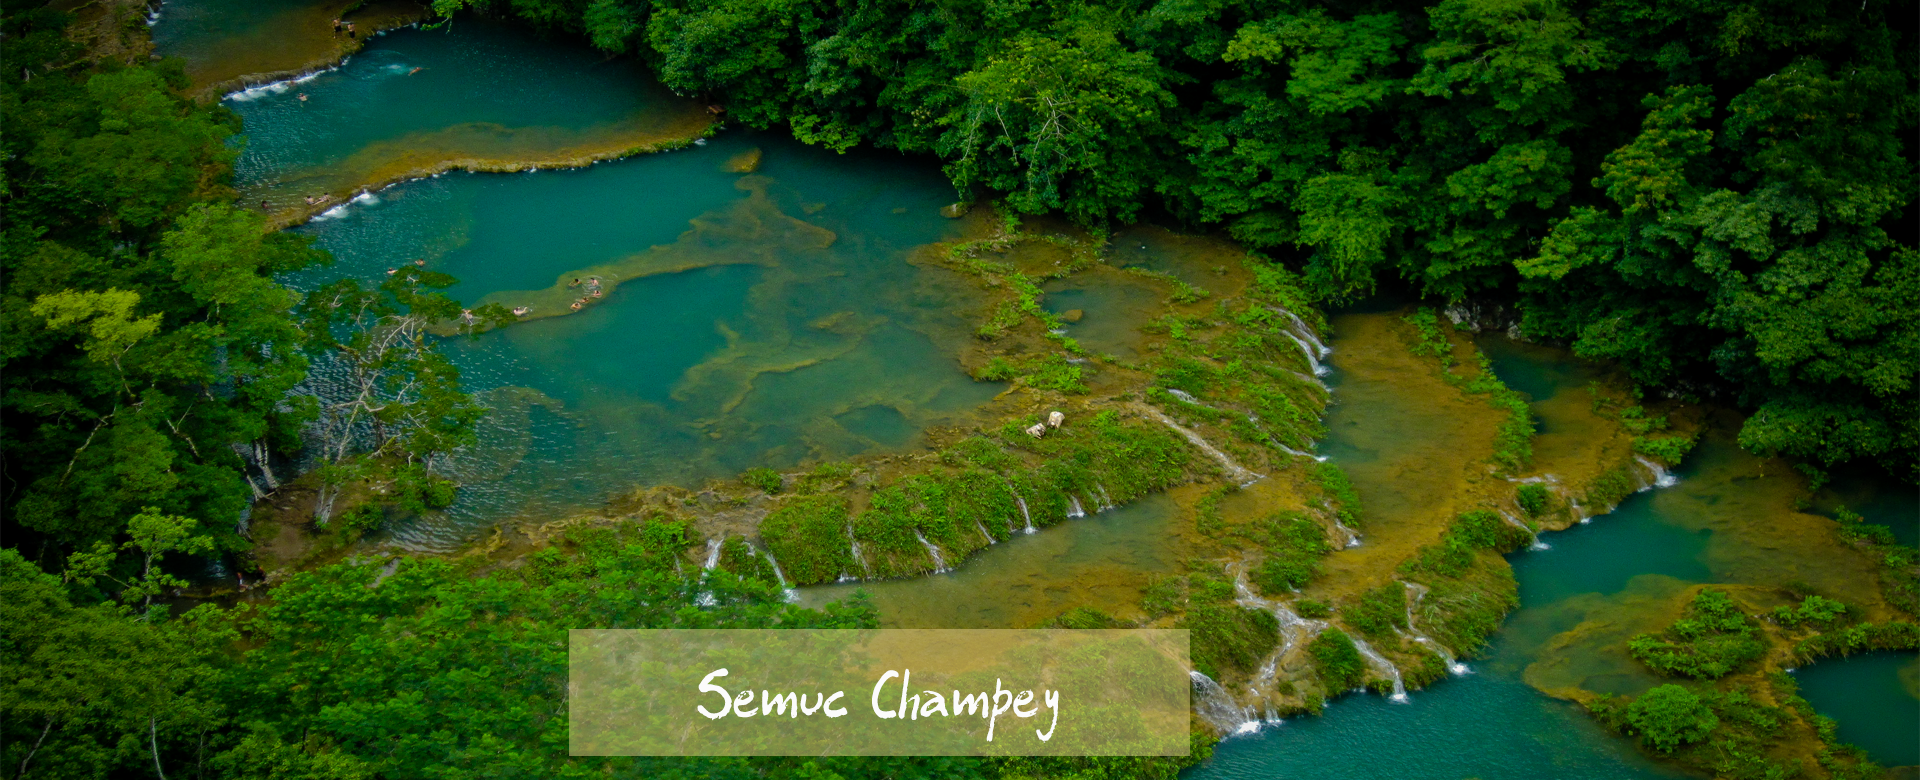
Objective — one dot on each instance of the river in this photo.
(760, 310)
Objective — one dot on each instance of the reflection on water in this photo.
(479, 95)
(1876, 700)
(770, 318)
(1101, 561)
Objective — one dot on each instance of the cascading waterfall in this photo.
(787, 591)
(939, 563)
(1073, 507)
(1658, 473)
(705, 599)
(1416, 593)
(1384, 668)
(1301, 330)
(983, 532)
(1516, 522)
(1313, 359)
(1215, 706)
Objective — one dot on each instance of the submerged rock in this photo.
(955, 210)
(1073, 315)
(744, 162)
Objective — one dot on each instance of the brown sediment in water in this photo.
(751, 231)
(297, 42)
(477, 147)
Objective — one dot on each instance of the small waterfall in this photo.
(1073, 507)
(1235, 471)
(1106, 501)
(705, 599)
(1215, 706)
(853, 544)
(1384, 668)
(939, 563)
(1516, 522)
(1313, 359)
(1658, 473)
(1301, 330)
(983, 532)
(1188, 397)
(1353, 538)
(1024, 514)
(1416, 592)
(787, 590)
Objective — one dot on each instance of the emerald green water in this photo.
(416, 100)
(1875, 698)
(767, 326)
(754, 319)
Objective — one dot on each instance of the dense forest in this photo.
(1717, 197)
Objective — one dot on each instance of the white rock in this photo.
(1037, 430)
(1054, 420)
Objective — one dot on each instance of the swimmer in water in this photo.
(596, 293)
(521, 311)
(421, 263)
(574, 283)
(392, 271)
(576, 305)
(303, 97)
(415, 70)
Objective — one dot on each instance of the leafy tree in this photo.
(1670, 716)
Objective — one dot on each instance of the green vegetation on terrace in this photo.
(1513, 442)
(1294, 546)
(1734, 731)
(1470, 590)
(1713, 639)
(974, 497)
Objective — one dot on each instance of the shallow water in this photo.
(476, 94)
(1101, 561)
(1876, 700)
(758, 319)
(224, 40)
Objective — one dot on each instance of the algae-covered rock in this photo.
(744, 162)
(955, 210)
(1074, 315)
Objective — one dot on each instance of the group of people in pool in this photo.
(593, 291)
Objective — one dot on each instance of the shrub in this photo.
(1712, 640)
(1813, 610)
(1486, 529)
(1669, 450)
(1670, 716)
(765, 479)
(1338, 661)
(1340, 488)
(1379, 610)
(808, 534)
(1533, 499)
(1228, 636)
